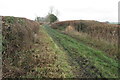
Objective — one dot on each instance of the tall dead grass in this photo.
(18, 38)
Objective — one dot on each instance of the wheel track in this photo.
(84, 64)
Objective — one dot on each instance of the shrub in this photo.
(17, 37)
(9, 19)
(52, 18)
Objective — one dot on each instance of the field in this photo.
(88, 61)
(31, 50)
(101, 36)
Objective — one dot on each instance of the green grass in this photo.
(61, 62)
(109, 48)
(57, 67)
(106, 66)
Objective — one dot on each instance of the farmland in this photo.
(32, 50)
(101, 36)
(92, 63)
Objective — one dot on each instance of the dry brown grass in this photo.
(99, 30)
(18, 38)
(98, 33)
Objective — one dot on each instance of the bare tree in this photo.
(51, 9)
(57, 13)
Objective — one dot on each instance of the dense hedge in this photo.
(100, 30)
(17, 38)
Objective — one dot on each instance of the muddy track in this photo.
(85, 68)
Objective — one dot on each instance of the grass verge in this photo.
(50, 60)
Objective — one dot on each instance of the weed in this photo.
(9, 19)
(21, 21)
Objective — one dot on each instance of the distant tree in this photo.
(51, 10)
(57, 13)
(40, 19)
(52, 18)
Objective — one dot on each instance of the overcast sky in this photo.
(100, 10)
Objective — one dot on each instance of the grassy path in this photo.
(87, 61)
(49, 60)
